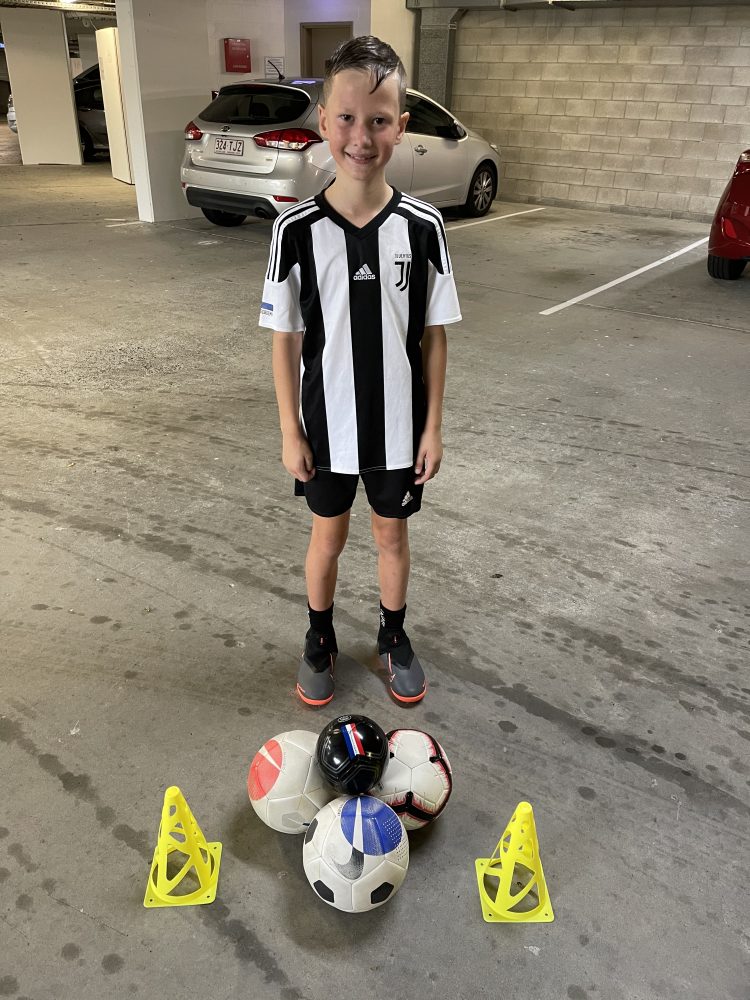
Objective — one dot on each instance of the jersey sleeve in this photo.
(280, 307)
(442, 298)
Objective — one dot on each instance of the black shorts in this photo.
(390, 492)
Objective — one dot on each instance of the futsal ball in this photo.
(356, 853)
(284, 784)
(418, 781)
(352, 752)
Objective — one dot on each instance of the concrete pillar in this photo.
(37, 51)
(165, 81)
(434, 44)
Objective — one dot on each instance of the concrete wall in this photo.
(262, 21)
(37, 53)
(298, 12)
(391, 21)
(87, 49)
(641, 109)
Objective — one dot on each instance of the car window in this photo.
(256, 105)
(89, 97)
(424, 116)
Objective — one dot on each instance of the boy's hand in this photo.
(297, 457)
(429, 456)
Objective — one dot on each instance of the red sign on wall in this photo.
(237, 55)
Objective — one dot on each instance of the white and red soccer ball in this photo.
(417, 781)
(286, 788)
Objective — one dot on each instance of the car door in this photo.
(90, 105)
(440, 163)
(400, 169)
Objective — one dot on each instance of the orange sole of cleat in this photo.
(409, 701)
(311, 701)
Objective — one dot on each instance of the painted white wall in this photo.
(37, 54)
(262, 21)
(166, 81)
(298, 12)
(87, 49)
(393, 23)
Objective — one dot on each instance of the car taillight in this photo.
(297, 139)
(743, 164)
(192, 131)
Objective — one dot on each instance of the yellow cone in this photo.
(180, 833)
(512, 888)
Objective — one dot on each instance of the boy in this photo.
(358, 287)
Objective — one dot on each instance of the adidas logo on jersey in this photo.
(364, 274)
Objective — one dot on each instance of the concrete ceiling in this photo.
(572, 5)
(71, 7)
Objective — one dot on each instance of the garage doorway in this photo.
(317, 42)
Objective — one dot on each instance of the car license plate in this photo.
(232, 147)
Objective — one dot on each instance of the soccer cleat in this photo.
(315, 675)
(405, 674)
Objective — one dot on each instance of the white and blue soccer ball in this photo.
(418, 780)
(356, 853)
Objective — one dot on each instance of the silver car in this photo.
(12, 123)
(256, 149)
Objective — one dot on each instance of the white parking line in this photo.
(625, 277)
(114, 225)
(495, 218)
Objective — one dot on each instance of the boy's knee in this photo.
(391, 536)
(328, 544)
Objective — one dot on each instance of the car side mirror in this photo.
(453, 131)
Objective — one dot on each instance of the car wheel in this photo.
(223, 218)
(87, 147)
(482, 191)
(727, 270)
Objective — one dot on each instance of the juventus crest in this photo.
(404, 270)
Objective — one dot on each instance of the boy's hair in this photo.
(370, 54)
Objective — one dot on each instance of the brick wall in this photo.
(643, 109)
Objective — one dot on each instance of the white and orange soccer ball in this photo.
(286, 788)
(417, 781)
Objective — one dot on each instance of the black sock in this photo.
(321, 621)
(392, 620)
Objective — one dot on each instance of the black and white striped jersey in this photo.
(361, 298)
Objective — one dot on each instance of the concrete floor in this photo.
(10, 150)
(579, 596)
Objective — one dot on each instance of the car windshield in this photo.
(256, 105)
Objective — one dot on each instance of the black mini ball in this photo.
(352, 753)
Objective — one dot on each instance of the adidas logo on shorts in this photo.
(364, 274)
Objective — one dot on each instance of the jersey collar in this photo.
(347, 226)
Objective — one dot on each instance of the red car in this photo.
(729, 243)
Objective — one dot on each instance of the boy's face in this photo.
(362, 127)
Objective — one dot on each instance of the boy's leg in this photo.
(405, 672)
(391, 536)
(327, 540)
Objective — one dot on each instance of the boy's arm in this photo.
(434, 361)
(296, 454)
